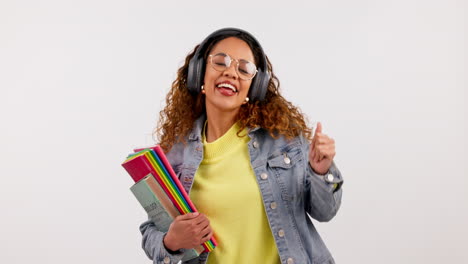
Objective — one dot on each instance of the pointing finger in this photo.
(319, 128)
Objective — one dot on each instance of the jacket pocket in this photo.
(286, 165)
(285, 158)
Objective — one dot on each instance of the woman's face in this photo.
(225, 91)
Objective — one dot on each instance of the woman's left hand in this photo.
(322, 151)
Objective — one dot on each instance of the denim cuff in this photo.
(333, 177)
(166, 255)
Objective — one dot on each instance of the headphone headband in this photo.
(196, 69)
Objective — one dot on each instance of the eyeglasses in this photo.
(222, 62)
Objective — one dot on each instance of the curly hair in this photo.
(274, 114)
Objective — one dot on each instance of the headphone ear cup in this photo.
(195, 74)
(259, 86)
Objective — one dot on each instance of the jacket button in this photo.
(290, 261)
(287, 160)
(281, 233)
(264, 176)
(255, 144)
(273, 205)
(167, 260)
(329, 177)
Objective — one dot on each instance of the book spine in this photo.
(162, 196)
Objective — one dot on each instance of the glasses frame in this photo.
(230, 63)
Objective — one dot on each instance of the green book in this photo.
(160, 209)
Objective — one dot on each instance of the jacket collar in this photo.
(197, 128)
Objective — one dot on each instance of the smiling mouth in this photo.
(227, 86)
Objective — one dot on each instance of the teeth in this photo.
(227, 85)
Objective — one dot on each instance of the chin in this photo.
(224, 106)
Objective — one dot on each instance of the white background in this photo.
(82, 83)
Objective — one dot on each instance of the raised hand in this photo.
(322, 151)
(188, 231)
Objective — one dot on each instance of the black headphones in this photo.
(196, 68)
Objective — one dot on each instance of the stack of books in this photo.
(160, 192)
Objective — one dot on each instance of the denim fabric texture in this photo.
(290, 189)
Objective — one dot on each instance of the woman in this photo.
(242, 153)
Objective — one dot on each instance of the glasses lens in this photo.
(220, 61)
(247, 69)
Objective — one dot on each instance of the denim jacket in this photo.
(290, 189)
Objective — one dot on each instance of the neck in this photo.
(218, 124)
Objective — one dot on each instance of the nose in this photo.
(231, 71)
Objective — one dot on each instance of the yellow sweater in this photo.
(226, 191)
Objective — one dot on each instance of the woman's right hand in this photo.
(188, 231)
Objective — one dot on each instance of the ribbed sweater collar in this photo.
(223, 145)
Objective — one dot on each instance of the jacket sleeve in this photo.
(322, 193)
(153, 245)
